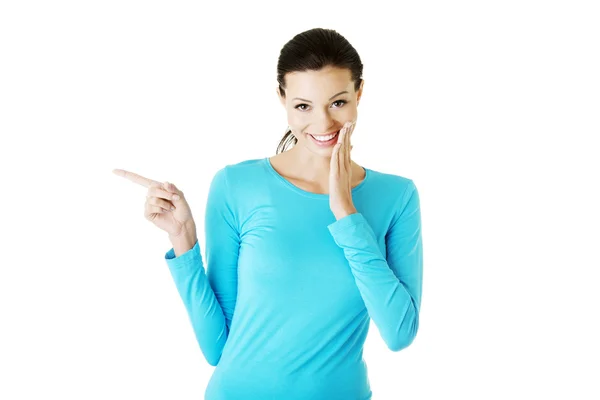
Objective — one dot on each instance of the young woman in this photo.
(303, 248)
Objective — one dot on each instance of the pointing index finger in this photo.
(140, 180)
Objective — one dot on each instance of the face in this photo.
(318, 103)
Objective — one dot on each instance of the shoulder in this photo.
(241, 175)
(391, 185)
(396, 195)
(241, 171)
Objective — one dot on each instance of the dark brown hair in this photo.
(313, 50)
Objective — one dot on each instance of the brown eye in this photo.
(337, 101)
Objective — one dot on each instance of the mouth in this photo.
(325, 140)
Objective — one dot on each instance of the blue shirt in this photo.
(285, 303)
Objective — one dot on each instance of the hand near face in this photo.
(340, 174)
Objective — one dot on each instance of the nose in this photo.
(324, 124)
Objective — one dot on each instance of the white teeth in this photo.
(324, 138)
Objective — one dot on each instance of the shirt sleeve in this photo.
(209, 297)
(390, 285)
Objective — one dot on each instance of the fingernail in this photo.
(176, 197)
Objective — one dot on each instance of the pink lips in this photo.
(327, 143)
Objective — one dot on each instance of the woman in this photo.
(303, 249)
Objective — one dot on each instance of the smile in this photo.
(325, 140)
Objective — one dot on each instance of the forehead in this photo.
(322, 83)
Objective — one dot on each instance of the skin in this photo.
(167, 208)
(307, 165)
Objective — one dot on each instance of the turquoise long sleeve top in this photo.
(285, 303)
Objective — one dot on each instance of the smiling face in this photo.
(318, 103)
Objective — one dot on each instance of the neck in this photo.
(309, 166)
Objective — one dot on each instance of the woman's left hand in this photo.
(340, 174)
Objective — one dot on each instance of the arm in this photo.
(209, 297)
(391, 289)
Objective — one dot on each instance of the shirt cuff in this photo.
(188, 257)
(346, 222)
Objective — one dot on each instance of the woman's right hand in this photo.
(159, 200)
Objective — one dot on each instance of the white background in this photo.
(490, 107)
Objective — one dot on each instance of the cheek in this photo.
(296, 117)
(297, 123)
(352, 113)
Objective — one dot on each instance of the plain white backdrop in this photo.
(492, 108)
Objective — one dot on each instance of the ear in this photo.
(359, 93)
(281, 98)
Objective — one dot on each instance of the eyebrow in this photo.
(308, 101)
